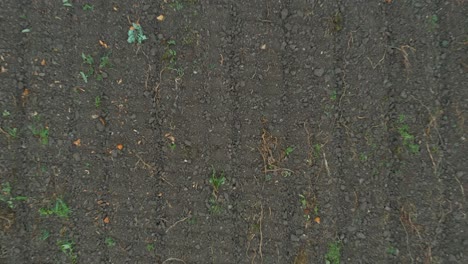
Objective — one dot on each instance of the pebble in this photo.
(76, 157)
(319, 72)
(361, 235)
(284, 13)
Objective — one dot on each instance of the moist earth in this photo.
(236, 132)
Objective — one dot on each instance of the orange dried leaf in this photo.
(106, 220)
(120, 146)
(103, 121)
(317, 220)
(103, 44)
(77, 142)
(43, 62)
(161, 18)
(25, 92)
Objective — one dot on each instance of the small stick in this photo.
(181, 220)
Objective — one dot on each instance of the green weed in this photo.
(44, 235)
(66, 246)
(12, 132)
(391, 250)
(88, 7)
(60, 209)
(433, 22)
(110, 242)
(135, 34)
(8, 198)
(337, 21)
(317, 150)
(170, 54)
(363, 157)
(6, 113)
(172, 146)
(67, 3)
(42, 133)
(150, 247)
(288, 151)
(333, 96)
(177, 5)
(97, 101)
(408, 139)
(216, 181)
(333, 255)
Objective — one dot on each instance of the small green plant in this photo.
(66, 246)
(12, 132)
(216, 181)
(433, 22)
(6, 113)
(391, 250)
(104, 61)
(67, 3)
(333, 255)
(42, 133)
(288, 151)
(97, 101)
(110, 242)
(408, 139)
(150, 247)
(60, 209)
(172, 146)
(337, 21)
(8, 198)
(333, 95)
(176, 5)
(363, 157)
(170, 54)
(88, 7)
(317, 150)
(135, 34)
(215, 206)
(89, 61)
(44, 235)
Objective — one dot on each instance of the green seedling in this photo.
(110, 242)
(42, 133)
(215, 207)
(150, 247)
(60, 209)
(104, 61)
(433, 22)
(6, 113)
(363, 157)
(66, 246)
(87, 59)
(67, 3)
(88, 7)
(408, 139)
(23, 17)
(216, 181)
(8, 198)
(84, 76)
(333, 96)
(97, 101)
(12, 132)
(176, 5)
(135, 34)
(337, 21)
(288, 151)
(44, 235)
(172, 146)
(333, 255)
(317, 150)
(303, 201)
(391, 250)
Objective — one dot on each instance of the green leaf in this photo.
(85, 78)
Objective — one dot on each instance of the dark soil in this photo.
(253, 131)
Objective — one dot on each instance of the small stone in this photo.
(360, 235)
(284, 13)
(319, 72)
(76, 157)
(403, 95)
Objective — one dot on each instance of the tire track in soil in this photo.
(133, 173)
(420, 206)
(196, 110)
(361, 132)
(449, 240)
(15, 158)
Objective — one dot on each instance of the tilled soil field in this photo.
(216, 131)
